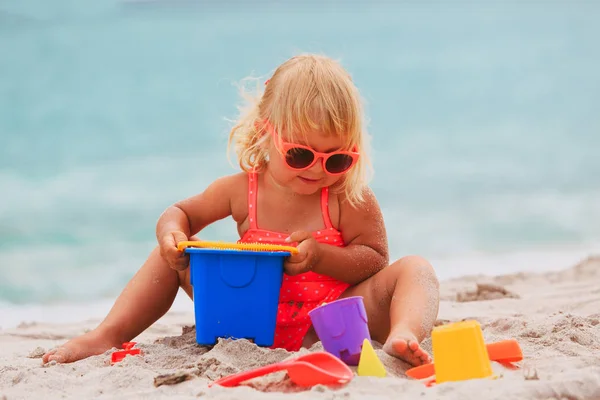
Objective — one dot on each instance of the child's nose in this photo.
(318, 166)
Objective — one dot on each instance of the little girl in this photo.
(303, 152)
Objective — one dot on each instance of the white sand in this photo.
(554, 316)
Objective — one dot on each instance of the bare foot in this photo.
(87, 345)
(405, 346)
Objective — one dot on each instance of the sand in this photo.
(554, 316)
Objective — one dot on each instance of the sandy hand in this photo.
(307, 256)
(177, 260)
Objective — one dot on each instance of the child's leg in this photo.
(402, 302)
(146, 298)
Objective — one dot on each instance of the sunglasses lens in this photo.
(299, 158)
(338, 163)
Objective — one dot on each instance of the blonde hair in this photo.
(305, 93)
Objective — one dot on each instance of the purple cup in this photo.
(342, 328)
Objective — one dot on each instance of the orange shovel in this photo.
(320, 368)
(504, 351)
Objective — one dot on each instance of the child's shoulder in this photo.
(232, 183)
(236, 187)
(365, 207)
(367, 198)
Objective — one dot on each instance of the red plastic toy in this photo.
(128, 350)
(319, 368)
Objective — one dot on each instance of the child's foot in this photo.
(87, 345)
(405, 346)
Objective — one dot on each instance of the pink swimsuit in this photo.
(300, 293)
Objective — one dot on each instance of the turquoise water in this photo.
(484, 117)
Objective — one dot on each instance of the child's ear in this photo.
(258, 127)
(260, 130)
(263, 141)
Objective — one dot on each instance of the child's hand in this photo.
(176, 259)
(308, 253)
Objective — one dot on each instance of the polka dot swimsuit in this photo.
(300, 293)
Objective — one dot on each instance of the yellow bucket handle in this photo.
(181, 246)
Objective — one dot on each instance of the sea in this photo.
(484, 120)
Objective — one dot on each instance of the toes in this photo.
(418, 352)
(46, 356)
(54, 357)
(408, 350)
(422, 355)
(58, 356)
(400, 345)
(425, 358)
(413, 346)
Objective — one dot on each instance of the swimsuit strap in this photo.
(325, 207)
(252, 189)
(252, 196)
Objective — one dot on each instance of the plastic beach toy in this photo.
(318, 368)
(370, 364)
(236, 246)
(504, 351)
(128, 350)
(236, 289)
(459, 352)
(342, 327)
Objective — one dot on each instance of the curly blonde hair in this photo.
(305, 93)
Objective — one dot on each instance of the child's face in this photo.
(307, 181)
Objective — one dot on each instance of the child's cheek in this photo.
(332, 180)
(281, 172)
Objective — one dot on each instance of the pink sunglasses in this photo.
(299, 157)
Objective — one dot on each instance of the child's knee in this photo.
(414, 266)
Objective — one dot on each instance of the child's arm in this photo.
(188, 217)
(366, 250)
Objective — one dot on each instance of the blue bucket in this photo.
(236, 294)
